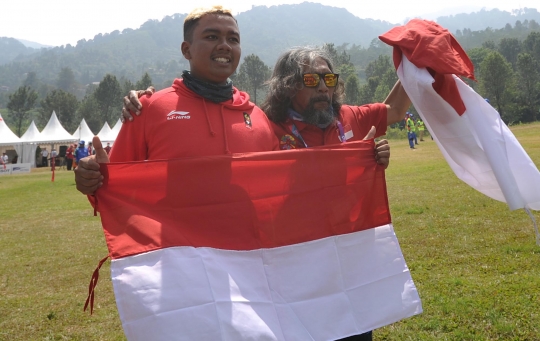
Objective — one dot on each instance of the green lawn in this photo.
(475, 263)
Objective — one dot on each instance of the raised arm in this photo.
(397, 104)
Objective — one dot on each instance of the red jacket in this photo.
(175, 122)
(355, 120)
(69, 153)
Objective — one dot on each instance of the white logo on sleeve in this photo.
(178, 115)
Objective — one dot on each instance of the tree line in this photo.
(508, 74)
(101, 103)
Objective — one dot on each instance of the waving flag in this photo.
(470, 133)
(266, 246)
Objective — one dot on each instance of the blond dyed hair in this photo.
(193, 18)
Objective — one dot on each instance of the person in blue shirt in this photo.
(80, 153)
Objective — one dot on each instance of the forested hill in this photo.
(483, 19)
(266, 32)
(11, 48)
(156, 44)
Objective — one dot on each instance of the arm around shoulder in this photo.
(130, 144)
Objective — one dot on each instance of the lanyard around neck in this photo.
(296, 133)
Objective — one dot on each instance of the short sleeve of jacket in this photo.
(362, 118)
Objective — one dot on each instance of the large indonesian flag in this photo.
(265, 246)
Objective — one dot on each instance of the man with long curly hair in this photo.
(305, 106)
(305, 103)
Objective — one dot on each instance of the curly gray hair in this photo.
(286, 80)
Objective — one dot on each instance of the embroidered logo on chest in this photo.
(247, 120)
(178, 115)
(287, 142)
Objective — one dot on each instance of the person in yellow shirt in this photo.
(421, 127)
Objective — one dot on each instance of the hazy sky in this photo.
(59, 22)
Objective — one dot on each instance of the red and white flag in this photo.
(292, 245)
(470, 133)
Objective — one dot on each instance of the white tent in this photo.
(116, 128)
(83, 132)
(7, 137)
(27, 149)
(32, 134)
(54, 132)
(106, 134)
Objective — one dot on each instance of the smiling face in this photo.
(214, 50)
(315, 104)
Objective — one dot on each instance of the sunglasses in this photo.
(312, 80)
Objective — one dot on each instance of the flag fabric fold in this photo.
(477, 144)
(428, 45)
(292, 245)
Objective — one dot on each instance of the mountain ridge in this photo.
(33, 44)
(266, 31)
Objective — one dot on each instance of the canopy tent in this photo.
(28, 146)
(7, 137)
(83, 132)
(106, 134)
(54, 132)
(32, 134)
(116, 128)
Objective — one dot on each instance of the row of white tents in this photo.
(53, 134)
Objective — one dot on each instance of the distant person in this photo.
(107, 148)
(5, 158)
(54, 155)
(91, 150)
(80, 152)
(411, 135)
(421, 126)
(70, 155)
(44, 157)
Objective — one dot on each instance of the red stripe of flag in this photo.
(242, 202)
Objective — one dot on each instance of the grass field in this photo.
(474, 262)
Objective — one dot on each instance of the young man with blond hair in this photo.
(197, 114)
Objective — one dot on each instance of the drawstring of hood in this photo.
(239, 102)
(212, 132)
(227, 150)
